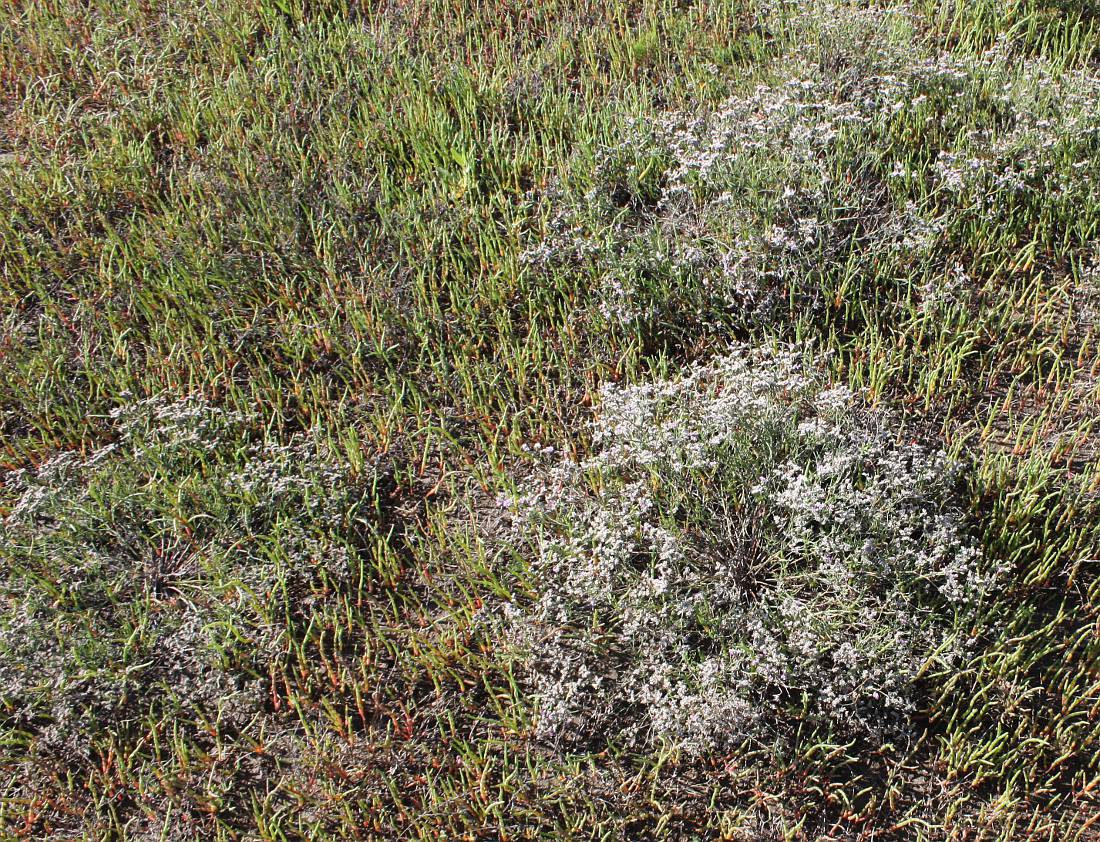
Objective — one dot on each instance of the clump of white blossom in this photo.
(745, 547)
(161, 571)
(868, 159)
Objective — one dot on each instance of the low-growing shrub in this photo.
(165, 576)
(856, 180)
(744, 550)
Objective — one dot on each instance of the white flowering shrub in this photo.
(163, 574)
(745, 548)
(867, 167)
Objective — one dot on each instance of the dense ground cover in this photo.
(550, 420)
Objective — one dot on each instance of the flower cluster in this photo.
(771, 203)
(159, 571)
(745, 547)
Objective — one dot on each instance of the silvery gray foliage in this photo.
(744, 547)
(159, 571)
(738, 214)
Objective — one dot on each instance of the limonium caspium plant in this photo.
(744, 548)
(191, 548)
(856, 167)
